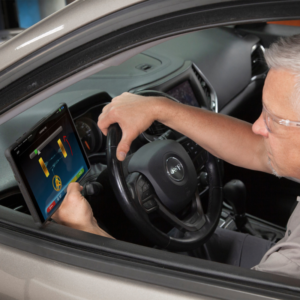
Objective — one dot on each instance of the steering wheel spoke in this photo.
(142, 192)
(197, 154)
(146, 194)
(194, 221)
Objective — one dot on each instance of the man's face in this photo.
(283, 148)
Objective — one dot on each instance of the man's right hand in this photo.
(134, 114)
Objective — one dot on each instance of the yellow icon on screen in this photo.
(44, 168)
(62, 148)
(56, 182)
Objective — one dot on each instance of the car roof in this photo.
(70, 18)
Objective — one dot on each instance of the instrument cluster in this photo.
(90, 135)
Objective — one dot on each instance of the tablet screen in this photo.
(49, 158)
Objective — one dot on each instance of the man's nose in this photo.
(259, 127)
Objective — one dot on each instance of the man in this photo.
(271, 145)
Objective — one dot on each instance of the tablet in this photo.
(45, 160)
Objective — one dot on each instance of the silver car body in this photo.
(72, 17)
(25, 275)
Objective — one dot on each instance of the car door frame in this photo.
(83, 250)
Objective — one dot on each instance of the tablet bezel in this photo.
(23, 183)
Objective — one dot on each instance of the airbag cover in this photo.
(170, 170)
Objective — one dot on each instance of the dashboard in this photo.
(209, 74)
(185, 92)
(188, 88)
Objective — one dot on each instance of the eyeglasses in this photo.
(272, 122)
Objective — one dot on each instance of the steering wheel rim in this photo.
(135, 212)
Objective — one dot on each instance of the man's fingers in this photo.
(74, 187)
(124, 145)
(73, 195)
(104, 121)
(106, 107)
(133, 113)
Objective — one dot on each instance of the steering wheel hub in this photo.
(175, 168)
(170, 170)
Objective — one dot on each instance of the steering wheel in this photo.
(161, 176)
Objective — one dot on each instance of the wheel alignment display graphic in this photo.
(56, 181)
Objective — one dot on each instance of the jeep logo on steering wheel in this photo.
(175, 169)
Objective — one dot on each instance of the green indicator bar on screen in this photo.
(80, 172)
(76, 177)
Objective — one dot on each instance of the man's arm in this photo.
(227, 138)
(76, 212)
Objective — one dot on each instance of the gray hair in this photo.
(285, 54)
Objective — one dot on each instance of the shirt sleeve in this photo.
(281, 264)
(284, 257)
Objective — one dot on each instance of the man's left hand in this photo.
(76, 212)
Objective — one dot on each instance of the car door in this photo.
(63, 263)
